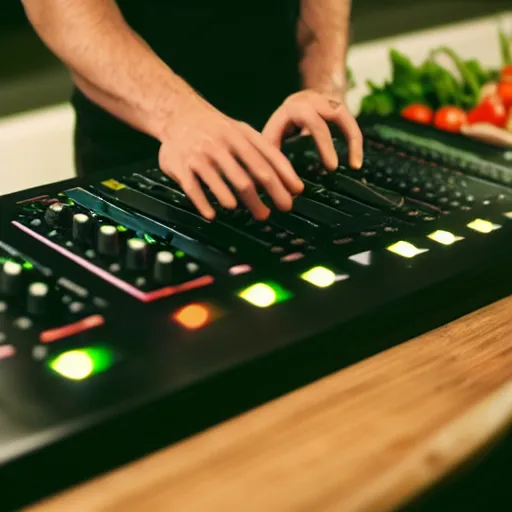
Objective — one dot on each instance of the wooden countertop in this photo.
(365, 438)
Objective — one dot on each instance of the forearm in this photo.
(109, 62)
(323, 37)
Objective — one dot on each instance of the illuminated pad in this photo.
(264, 295)
(83, 363)
(406, 249)
(444, 237)
(195, 316)
(321, 277)
(483, 226)
(508, 215)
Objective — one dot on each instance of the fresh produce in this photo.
(471, 99)
(450, 119)
(505, 93)
(506, 73)
(418, 113)
(508, 124)
(489, 134)
(490, 110)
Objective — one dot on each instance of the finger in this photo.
(276, 159)
(348, 125)
(277, 127)
(242, 183)
(264, 173)
(310, 119)
(192, 189)
(209, 174)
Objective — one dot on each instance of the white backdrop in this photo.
(36, 147)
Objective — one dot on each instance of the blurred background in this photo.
(35, 144)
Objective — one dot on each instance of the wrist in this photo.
(176, 98)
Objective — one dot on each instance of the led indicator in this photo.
(27, 265)
(193, 316)
(83, 363)
(483, 226)
(444, 237)
(264, 295)
(406, 249)
(149, 239)
(122, 229)
(179, 254)
(321, 277)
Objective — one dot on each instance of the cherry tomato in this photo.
(491, 110)
(506, 73)
(505, 93)
(418, 113)
(450, 119)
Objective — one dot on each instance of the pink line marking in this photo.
(7, 351)
(31, 199)
(115, 281)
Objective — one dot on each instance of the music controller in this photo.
(124, 314)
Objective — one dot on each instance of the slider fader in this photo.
(127, 320)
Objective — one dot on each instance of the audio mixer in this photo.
(127, 320)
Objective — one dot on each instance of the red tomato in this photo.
(491, 110)
(506, 73)
(505, 93)
(450, 119)
(418, 113)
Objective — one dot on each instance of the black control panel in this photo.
(128, 321)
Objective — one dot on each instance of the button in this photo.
(82, 226)
(76, 307)
(39, 352)
(192, 267)
(136, 254)
(57, 215)
(162, 272)
(362, 258)
(264, 295)
(35, 223)
(193, 316)
(108, 241)
(3, 337)
(3, 306)
(38, 298)
(7, 351)
(11, 278)
(23, 323)
(406, 249)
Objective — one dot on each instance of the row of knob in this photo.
(12, 282)
(108, 242)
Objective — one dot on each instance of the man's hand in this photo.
(309, 111)
(202, 144)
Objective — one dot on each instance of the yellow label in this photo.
(113, 184)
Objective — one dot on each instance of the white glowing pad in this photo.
(444, 237)
(406, 249)
(483, 226)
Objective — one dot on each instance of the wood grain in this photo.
(362, 439)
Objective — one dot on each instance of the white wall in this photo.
(36, 147)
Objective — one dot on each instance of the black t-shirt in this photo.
(240, 55)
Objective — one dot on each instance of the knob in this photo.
(11, 278)
(162, 272)
(136, 254)
(81, 227)
(108, 241)
(57, 214)
(38, 299)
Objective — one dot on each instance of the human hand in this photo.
(310, 111)
(202, 144)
